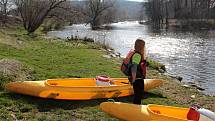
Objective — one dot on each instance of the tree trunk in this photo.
(34, 12)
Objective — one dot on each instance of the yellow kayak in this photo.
(77, 88)
(132, 112)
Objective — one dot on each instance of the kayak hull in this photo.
(132, 112)
(77, 88)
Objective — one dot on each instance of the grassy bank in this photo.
(53, 58)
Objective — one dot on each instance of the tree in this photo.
(188, 12)
(94, 10)
(34, 12)
(109, 16)
(63, 15)
(4, 4)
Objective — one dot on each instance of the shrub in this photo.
(47, 28)
(13, 70)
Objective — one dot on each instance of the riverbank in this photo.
(54, 58)
(184, 24)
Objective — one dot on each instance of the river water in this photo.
(190, 55)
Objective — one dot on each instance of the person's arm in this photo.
(143, 68)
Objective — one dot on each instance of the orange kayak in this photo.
(77, 88)
(151, 112)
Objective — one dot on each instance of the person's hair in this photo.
(139, 45)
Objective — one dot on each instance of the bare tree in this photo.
(188, 12)
(67, 12)
(94, 10)
(34, 12)
(109, 16)
(64, 14)
(3, 10)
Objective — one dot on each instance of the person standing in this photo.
(134, 66)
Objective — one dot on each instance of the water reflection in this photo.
(187, 54)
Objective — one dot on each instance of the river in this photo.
(190, 55)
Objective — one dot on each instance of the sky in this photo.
(137, 0)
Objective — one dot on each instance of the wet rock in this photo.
(196, 86)
(109, 50)
(190, 83)
(179, 78)
(199, 88)
(117, 54)
(161, 70)
(113, 55)
(175, 76)
(185, 85)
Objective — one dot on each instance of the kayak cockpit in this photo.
(167, 111)
(80, 82)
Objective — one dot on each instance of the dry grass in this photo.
(11, 41)
(13, 70)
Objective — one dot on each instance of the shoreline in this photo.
(190, 93)
(160, 68)
(180, 56)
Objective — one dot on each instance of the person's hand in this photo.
(132, 82)
(130, 79)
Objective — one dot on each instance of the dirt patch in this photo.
(13, 70)
(187, 95)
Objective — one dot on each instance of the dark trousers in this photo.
(138, 87)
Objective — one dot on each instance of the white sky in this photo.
(137, 0)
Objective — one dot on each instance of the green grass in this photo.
(54, 59)
(58, 59)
